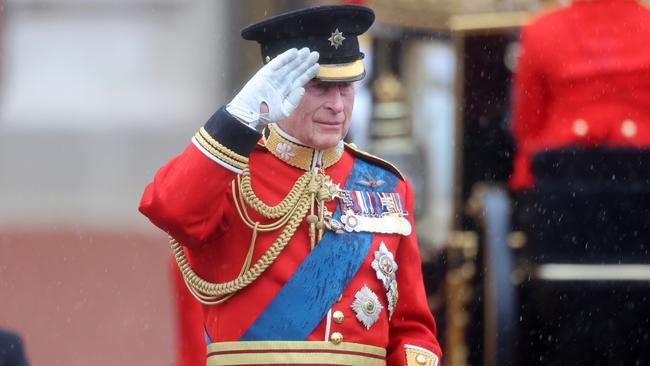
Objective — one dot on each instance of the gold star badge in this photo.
(336, 39)
(332, 190)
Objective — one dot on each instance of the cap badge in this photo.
(336, 39)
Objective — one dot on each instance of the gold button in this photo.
(338, 317)
(628, 128)
(336, 337)
(580, 127)
(421, 359)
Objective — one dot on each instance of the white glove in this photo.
(279, 84)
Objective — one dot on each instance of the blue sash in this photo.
(321, 278)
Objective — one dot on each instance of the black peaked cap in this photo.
(331, 30)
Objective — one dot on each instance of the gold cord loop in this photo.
(290, 212)
(283, 207)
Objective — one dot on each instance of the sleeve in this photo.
(187, 198)
(530, 101)
(412, 331)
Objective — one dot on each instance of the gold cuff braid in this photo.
(220, 151)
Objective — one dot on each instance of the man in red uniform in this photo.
(582, 80)
(300, 247)
(188, 316)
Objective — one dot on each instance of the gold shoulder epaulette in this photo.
(377, 160)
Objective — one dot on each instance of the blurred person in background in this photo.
(581, 125)
(296, 242)
(582, 80)
(11, 349)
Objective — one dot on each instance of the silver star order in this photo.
(384, 265)
(366, 306)
(336, 39)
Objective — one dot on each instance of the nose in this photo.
(335, 100)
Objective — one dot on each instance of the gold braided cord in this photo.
(291, 211)
(233, 161)
(245, 217)
(217, 290)
(273, 212)
(215, 300)
(222, 148)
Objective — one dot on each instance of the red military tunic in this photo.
(191, 199)
(582, 79)
(190, 342)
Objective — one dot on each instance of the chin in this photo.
(326, 143)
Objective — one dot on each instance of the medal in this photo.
(366, 306)
(385, 268)
(384, 265)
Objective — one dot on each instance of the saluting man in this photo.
(301, 247)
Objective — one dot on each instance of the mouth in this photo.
(329, 123)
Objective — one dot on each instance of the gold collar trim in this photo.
(292, 152)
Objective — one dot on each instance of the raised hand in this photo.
(279, 85)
